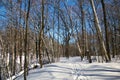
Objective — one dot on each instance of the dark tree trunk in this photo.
(106, 30)
(26, 42)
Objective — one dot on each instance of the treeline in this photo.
(40, 30)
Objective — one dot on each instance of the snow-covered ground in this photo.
(74, 69)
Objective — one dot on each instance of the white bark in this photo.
(98, 28)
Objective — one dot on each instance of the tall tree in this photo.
(26, 40)
(41, 34)
(106, 29)
(83, 25)
(99, 32)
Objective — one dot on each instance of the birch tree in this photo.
(99, 32)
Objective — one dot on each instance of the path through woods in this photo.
(72, 69)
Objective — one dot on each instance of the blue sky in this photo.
(2, 13)
(71, 2)
(2, 10)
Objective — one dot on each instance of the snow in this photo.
(15, 76)
(75, 69)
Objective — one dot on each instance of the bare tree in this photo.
(41, 34)
(106, 29)
(26, 41)
(98, 29)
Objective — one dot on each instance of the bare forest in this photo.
(42, 31)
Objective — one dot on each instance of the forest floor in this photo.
(75, 69)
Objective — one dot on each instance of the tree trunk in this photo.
(46, 49)
(0, 73)
(41, 34)
(99, 32)
(26, 42)
(15, 52)
(106, 30)
(83, 27)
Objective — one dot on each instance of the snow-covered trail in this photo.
(74, 69)
(78, 71)
(66, 69)
(57, 71)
